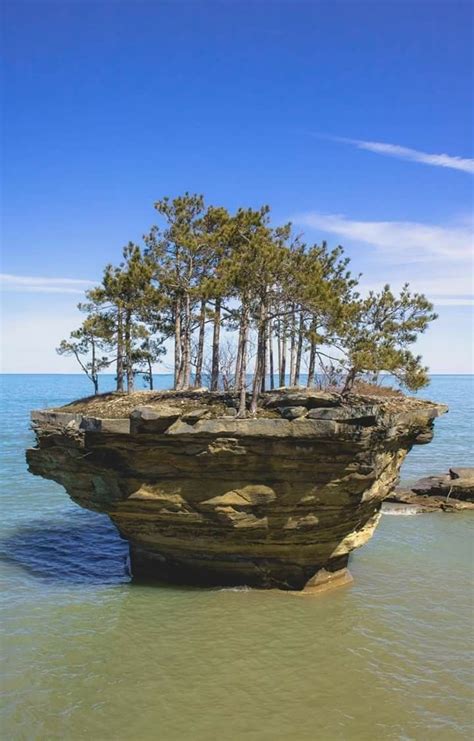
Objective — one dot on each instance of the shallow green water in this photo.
(87, 655)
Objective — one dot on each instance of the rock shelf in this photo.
(448, 492)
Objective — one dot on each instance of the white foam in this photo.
(401, 510)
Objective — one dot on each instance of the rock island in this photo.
(277, 500)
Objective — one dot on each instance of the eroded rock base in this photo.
(323, 581)
(151, 566)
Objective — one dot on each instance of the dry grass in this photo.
(115, 405)
(118, 405)
(371, 389)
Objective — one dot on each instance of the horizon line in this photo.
(53, 373)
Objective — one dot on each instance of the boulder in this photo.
(230, 412)
(300, 397)
(450, 492)
(153, 419)
(457, 484)
(293, 412)
(462, 473)
(336, 413)
(194, 415)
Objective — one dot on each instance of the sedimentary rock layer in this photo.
(202, 497)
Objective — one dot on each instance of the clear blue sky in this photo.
(352, 119)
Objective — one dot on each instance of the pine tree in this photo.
(93, 337)
(176, 254)
(124, 297)
(239, 273)
(379, 334)
(146, 355)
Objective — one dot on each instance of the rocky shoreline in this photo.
(450, 492)
(278, 500)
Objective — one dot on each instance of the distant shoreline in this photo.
(112, 375)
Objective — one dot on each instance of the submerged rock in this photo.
(276, 501)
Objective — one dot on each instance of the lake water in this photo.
(88, 655)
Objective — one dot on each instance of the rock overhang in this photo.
(183, 482)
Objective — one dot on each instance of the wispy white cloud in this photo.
(29, 339)
(36, 284)
(441, 301)
(453, 162)
(446, 291)
(446, 287)
(447, 294)
(408, 240)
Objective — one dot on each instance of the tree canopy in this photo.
(244, 304)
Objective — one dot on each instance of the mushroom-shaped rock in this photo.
(275, 501)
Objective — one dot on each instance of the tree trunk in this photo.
(200, 350)
(238, 362)
(350, 378)
(177, 344)
(293, 349)
(94, 376)
(260, 362)
(119, 378)
(242, 382)
(182, 342)
(186, 353)
(264, 361)
(215, 347)
(283, 353)
(299, 350)
(270, 358)
(279, 351)
(312, 364)
(128, 351)
(258, 373)
(150, 374)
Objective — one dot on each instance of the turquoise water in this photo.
(88, 655)
(453, 443)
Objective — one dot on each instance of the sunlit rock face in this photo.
(204, 498)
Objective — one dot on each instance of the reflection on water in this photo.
(89, 655)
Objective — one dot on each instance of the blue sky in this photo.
(352, 119)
